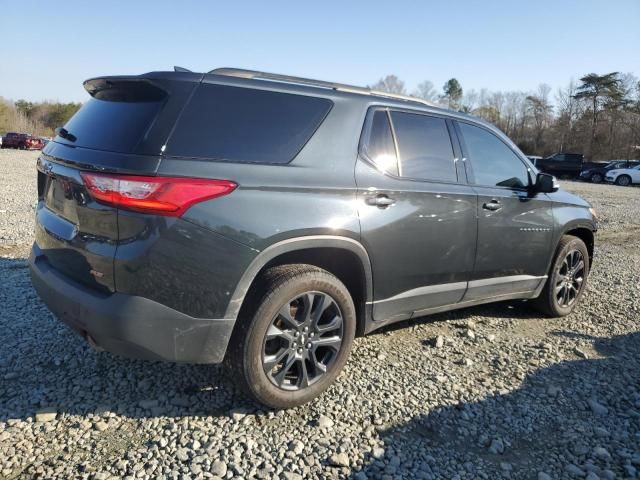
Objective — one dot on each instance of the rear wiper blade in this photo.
(64, 133)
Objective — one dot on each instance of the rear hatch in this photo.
(121, 129)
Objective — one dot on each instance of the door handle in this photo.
(381, 201)
(493, 205)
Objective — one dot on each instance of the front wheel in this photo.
(567, 278)
(297, 340)
(623, 180)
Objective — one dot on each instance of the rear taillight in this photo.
(170, 196)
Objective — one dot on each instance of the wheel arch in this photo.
(344, 257)
(587, 236)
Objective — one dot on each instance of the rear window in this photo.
(246, 125)
(424, 146)
(113, 125)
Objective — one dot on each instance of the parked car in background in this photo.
(219, 250)
(534, 158)
(562, 164)
(22, 141)
(624, 176)
(597, 173)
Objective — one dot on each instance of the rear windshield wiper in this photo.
(64, 133)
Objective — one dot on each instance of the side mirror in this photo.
(545, 183)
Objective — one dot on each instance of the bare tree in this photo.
(390, 84)
(427, 91)
(470, 101)
(541, 110)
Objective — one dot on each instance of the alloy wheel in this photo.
(302, 341)
(570, 278)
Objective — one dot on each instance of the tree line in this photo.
(36, 118)
(599, 116)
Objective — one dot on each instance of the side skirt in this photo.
(514, 295)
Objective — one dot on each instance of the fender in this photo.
(292, 244)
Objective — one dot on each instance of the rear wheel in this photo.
(623, 180)
(596, 178)
(295, 342)
(567, 278)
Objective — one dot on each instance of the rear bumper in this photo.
(129, 325)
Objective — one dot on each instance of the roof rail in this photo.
(255, 74)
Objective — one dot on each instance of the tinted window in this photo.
(493, 162)
(379, 146)
(246, 125)
(424, 147)
(116, 126)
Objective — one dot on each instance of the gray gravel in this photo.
(487, 392)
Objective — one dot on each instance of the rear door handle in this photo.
(381, 201)
(493, 205)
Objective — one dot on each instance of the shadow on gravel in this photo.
(43, 363)
(512, 309)
(567, 420)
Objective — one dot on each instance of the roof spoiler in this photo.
(124, 89)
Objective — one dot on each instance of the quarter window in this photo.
(246, 125)
(424, 147)
(494, 163)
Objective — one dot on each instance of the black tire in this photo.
(303, 292)
(623, 180)
(565, 285)
(596, 178)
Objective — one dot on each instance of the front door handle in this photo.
(381, 201)
(493, 205)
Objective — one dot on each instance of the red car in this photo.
(23, 141)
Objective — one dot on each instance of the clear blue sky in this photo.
(49, 48)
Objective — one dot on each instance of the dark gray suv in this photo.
(266, 220)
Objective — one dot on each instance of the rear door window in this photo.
(424, 147)
(246, 125)
(379, 146)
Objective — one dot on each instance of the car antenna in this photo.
(181, 69)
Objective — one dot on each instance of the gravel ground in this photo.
(487, 392)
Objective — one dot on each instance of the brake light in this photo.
(170, 196)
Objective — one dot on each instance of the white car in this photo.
(624, 176)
